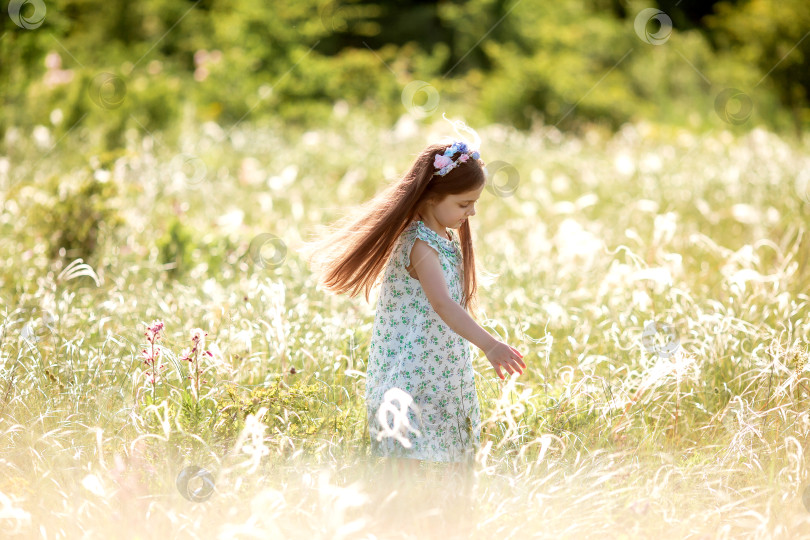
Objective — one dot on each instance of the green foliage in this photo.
(231, 60)
(771, 34)
(195, 413)
(175, 247)
(181, 247)
(220, 250)
(196, 420)
(289, 410)
(76, 216)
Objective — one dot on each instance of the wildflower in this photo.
(153, 352)
(153, 331)
(198, 334)
(192, 356)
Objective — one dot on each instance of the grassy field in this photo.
(656, 282)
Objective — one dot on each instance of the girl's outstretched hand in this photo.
(503, 356)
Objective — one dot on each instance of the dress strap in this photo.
(433, 239)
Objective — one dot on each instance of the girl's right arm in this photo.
(425, 262)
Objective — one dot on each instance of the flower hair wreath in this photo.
(445, 163)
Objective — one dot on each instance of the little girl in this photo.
(417, 234)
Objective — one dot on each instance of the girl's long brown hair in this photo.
(353, 254)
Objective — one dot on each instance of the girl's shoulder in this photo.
(418, 229)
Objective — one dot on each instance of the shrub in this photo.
(176, 247)
(76, 217)
(290, 411)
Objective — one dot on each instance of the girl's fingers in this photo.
(519, 357)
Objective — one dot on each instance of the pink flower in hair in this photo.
(441, 161)
(463, 158)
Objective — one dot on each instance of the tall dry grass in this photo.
(693, 427)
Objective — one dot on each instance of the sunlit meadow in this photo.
(655, 280)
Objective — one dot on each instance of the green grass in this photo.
(705, 232)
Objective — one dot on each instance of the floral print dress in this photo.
(413, 350)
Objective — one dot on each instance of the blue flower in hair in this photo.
(445, 164)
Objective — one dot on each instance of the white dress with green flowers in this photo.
(412, 349)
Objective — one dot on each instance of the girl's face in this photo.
(455, 208)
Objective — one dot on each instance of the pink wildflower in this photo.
(441, 161)
(153, 352)
(198, 334)
(193, 357)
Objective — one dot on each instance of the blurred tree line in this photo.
(111, 65)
